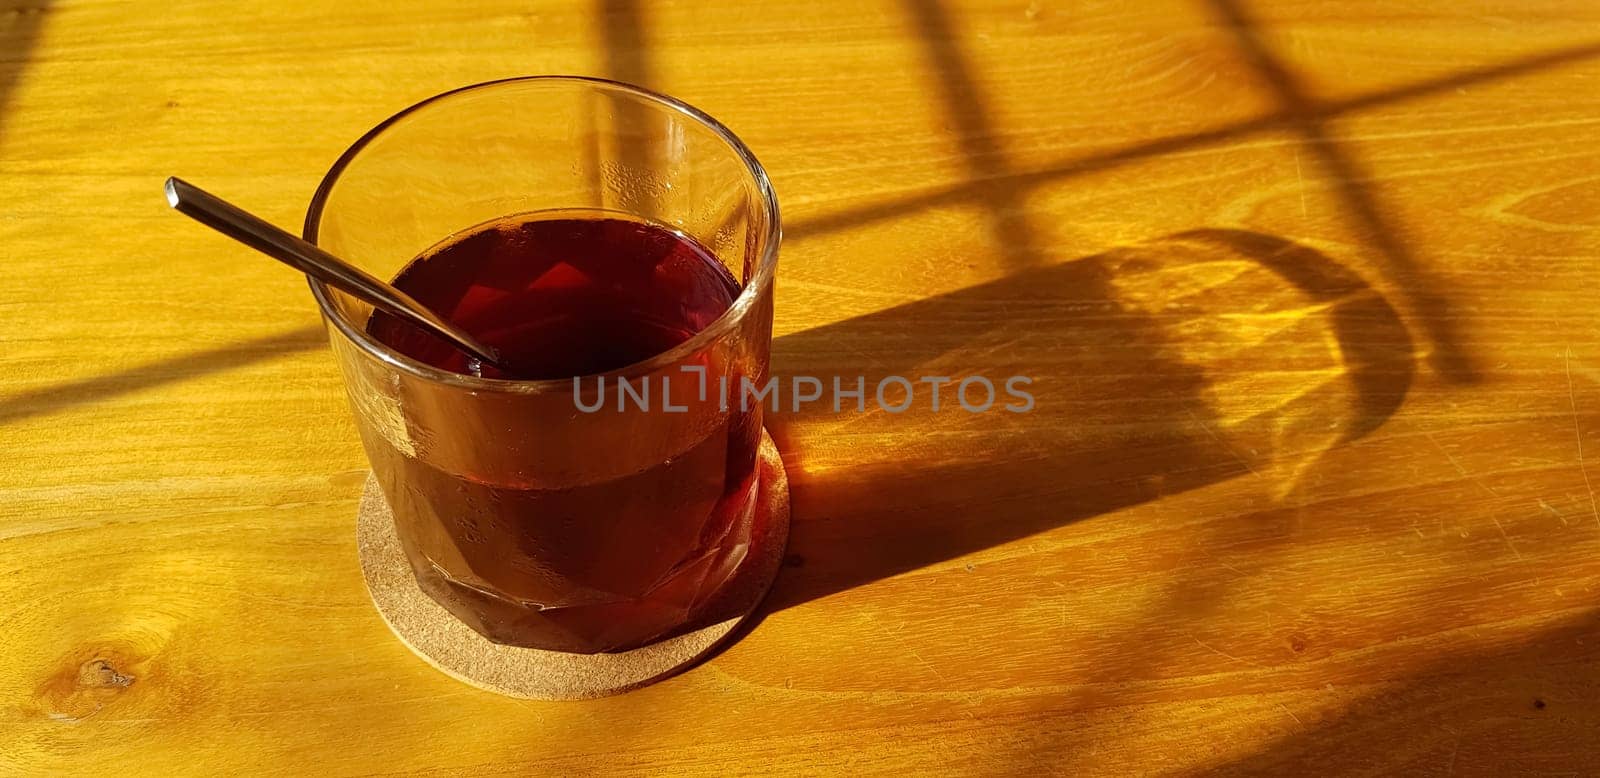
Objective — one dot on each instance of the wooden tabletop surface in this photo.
(1308, 291)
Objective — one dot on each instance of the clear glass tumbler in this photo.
(535, 522)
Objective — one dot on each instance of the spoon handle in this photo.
(228, 219)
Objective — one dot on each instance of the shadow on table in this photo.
(19, 27)
(1355, 185)
(623, 33)
(49, 399)
(1155, 369)
(1520, 709)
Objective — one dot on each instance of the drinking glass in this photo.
(536, 522)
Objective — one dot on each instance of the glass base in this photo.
(452, 646)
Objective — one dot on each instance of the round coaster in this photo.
(455, 648)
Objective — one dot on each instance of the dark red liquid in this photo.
(562, 297)
(581, 557)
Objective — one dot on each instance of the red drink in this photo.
(573, 564)
(562, 296)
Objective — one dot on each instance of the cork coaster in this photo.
(455, 648)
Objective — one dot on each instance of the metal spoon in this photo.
(230, 220)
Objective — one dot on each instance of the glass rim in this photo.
(760, 277)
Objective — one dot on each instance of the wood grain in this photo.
(1308, 290)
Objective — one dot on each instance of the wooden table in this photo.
(1309, 294)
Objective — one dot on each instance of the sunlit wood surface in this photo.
(1309, 291)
